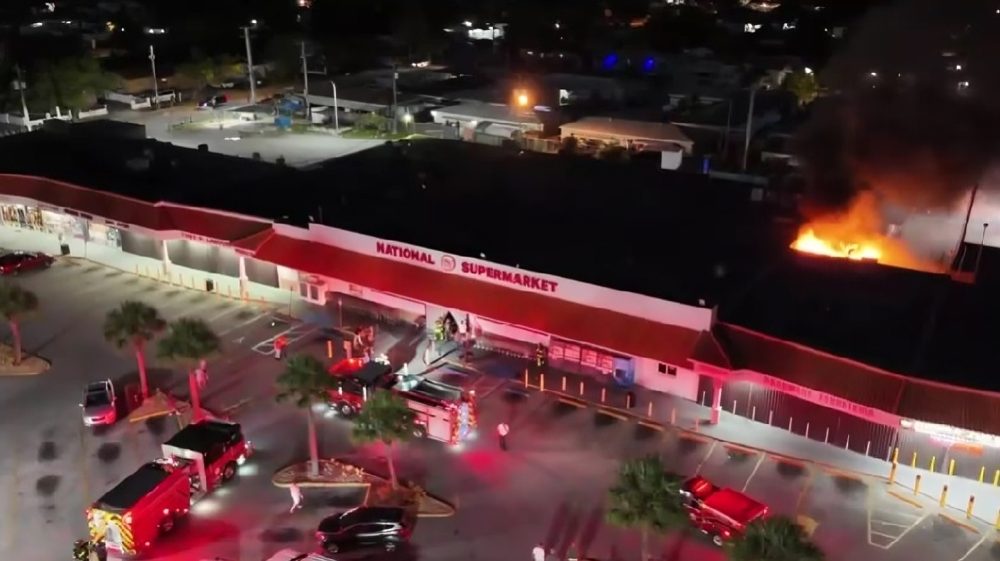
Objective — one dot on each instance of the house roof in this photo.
(492, 112)
(615, 331)
(636, 130)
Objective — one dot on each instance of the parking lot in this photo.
(550, 486)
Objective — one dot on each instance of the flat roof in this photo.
(491, 112)
(203, 436)
(632, 129)
(133, 488)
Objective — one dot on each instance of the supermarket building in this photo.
(680, 348)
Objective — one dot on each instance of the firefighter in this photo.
(296, 494)
(279, 346)
(439, 329)
(540, 355)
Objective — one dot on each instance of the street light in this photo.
(407, 119)
(521, 98)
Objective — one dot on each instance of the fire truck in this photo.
(149, 502)
(718, 512)
(443, 412)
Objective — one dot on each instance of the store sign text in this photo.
(450, 264)
(203, 239)
(819, 398)
(404, 253)
(509, 277)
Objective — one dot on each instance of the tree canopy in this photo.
(305, 381)
(777, 538)
(646, 497)
(189, 340)
(70, 83)
(132, 323)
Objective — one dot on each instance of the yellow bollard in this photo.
(604, 394)
(892, 474)
(649, 410)
(673, 416)
(982, 473)
(895, 456)
(697, 424)
(944, 496)
(996, 478)
(916, 484)
(913, 464)
(581, 387)
(564, 384)
(997, 524)
(526, 377)
(933, 460)
(329, 348)
(968, 509)
(541, 381)
(951, 467)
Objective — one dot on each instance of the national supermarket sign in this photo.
(467, 267)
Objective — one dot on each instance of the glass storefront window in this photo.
(22, 217)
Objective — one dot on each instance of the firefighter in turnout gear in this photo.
(540, 353)
(439, 329)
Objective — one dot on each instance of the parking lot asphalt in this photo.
(550, 486)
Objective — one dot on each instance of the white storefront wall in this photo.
(629, 303)
(683, 383)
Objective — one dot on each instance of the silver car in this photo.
(99, 404)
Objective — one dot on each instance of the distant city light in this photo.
(649, 64)
(38, 24)
(467, 23)
(557, 25)
(253, 22)
(808, 70)
(610, 61)
(873, 74)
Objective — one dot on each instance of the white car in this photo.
(100, 406)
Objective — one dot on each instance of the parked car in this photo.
(100, 405)
(363, 527)
(17, 261)
(213, 101)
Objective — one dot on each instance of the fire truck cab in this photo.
(212, 450)
(444, 412)
(718, 512)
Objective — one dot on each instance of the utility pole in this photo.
(336, 107)
(250, 74)
(395, 75)
(156, 89)
(305, 80)
(24, 104)
(746, 137)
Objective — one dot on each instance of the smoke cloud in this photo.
(915, 118)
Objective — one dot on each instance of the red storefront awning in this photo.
(613, 330)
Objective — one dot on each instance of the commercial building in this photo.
(679, 283)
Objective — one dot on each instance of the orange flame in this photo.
(809, 242)
(856, 234)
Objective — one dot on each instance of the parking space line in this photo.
(803, 492)
(912, 502)
(756, 467)
(974, 547)
(701, 464)
(956, 522)
(895, 539)
(239, 325)
(223, 313)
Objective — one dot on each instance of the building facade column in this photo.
(716, 400)
(244, 280)
(166, 258)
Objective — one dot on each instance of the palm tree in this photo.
(15, 303)
(135, 324)
(646, 497)
(385, 418)
(305, 382)
(773, 539)
(189, 341)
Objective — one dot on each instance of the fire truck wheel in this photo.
(717, 540)
(229, 471)
(419, 431)
(345, 409)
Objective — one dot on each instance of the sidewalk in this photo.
(679, 414)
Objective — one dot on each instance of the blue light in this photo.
(649, 64)
(610, 61)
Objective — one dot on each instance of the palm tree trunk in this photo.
(140, 359)
(313, 443)
(644, 543)
(15, 332)
(195, 397)
(392, 466)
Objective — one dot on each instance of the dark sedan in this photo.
(364, 527)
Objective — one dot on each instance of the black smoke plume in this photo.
(915, 112)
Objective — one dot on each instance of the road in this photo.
(242, 139)
(549, 487)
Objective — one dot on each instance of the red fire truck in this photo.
(444, 412)
(148, 503)
(717, 512)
